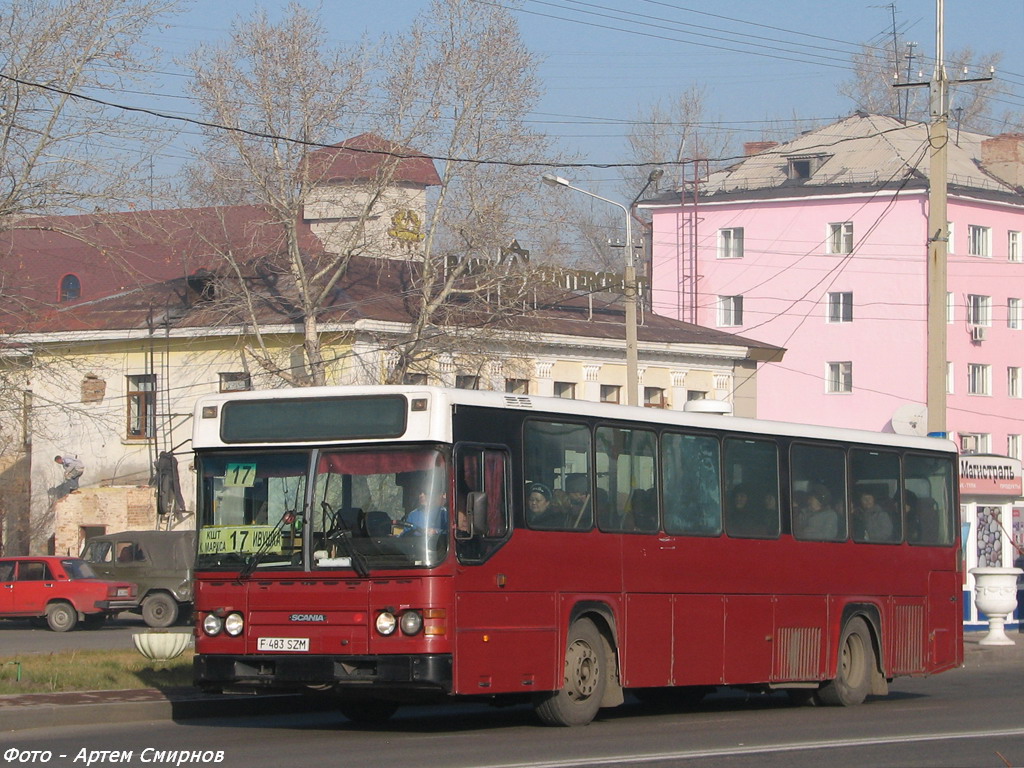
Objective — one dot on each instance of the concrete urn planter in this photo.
(161, 646)
(995, 595)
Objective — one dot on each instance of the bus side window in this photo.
(558, 476)
(875, 497)
(691, 484)
(818, 492)
(752, 482)
(625, 499)
(927, 501)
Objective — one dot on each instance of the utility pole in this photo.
(938, 228)
(938, 233)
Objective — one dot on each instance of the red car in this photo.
(60, 590)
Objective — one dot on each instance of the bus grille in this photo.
(907, 646)
(798, 653)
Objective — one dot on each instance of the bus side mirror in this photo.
(476, 514)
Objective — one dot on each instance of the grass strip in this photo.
(91, 671)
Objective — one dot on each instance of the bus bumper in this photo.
(419, 672)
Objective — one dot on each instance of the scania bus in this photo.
(393, 545)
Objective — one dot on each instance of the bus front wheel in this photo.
(854, 669)
(577, 702)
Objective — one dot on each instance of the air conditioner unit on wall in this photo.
(978, 333)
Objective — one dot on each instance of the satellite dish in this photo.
(910, 419)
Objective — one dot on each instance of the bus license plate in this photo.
(282, 644)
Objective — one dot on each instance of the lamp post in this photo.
(629, 288)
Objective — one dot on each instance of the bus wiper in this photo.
(342, 534)
(288, 518)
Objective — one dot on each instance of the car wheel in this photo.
(61, 617)
(159, 610)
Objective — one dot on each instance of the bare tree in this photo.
(58, 152)
(459, 84)
(456, 87)
(876, 70)
(673, 134)
(280, 90)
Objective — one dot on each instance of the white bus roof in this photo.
(207, 435)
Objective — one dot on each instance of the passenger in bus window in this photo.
(539, 510)
(818, 520)
(870, 521)
(742, 518)
(577, 490)
(923, 521)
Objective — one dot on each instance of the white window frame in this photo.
(950, 308)
(840, 307)
(1013, 381)
(1013, 443)
(1013, 252)
(975, 442)
(840, 238)
(979, 309)
(950, 378)
(730, 243)
(950, 239)
(1013, 314)
(979, 241)
(730, 311)
(839, 377)
(979, 379)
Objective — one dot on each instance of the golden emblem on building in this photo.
(406, 227)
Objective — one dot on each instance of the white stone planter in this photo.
(161, 646)
(995, 595)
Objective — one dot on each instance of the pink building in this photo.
(819, 245)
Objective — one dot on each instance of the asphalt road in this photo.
(967, 717)
(17, 637)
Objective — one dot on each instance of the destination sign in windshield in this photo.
(240, 538)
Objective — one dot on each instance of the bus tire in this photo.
(368, 712)
(579, 698)
(61, 616)
(159, 610)
(854, 668)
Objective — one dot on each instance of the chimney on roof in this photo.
(1003, 157)
(757, 147)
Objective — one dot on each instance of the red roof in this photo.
(111, 253)
(364, 157)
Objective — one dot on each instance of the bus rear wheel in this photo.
(579, 699)
(854, 669)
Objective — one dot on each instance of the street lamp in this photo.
(629, 288)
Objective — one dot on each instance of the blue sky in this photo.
(765, 64)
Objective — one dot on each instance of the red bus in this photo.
(415, 544)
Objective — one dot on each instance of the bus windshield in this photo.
(360, 510)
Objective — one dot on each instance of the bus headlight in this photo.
(212, 624)
(411, 622)
(386, 623)
(233, 624)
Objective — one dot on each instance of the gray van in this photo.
(160, 562)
